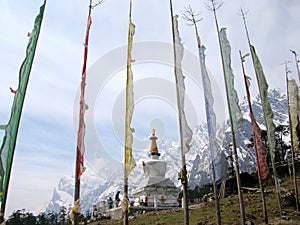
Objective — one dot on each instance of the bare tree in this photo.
(215, 5)
(192, 18)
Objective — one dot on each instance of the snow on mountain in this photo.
(95, 189)
(62, 194)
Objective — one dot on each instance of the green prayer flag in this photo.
(294, 118)
(267, 110)
(232, 97)
(11, 129)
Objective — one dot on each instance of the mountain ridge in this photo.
(95, 189)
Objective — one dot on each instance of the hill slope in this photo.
(204, 213)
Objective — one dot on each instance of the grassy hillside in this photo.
(204, 213)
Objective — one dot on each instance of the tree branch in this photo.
(99, 2)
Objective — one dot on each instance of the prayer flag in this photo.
(186, 132)
(129, 160)
(233, 101)
(218, 158)
(263, 90)
(294, 108)
(81, 129)
(260, 148)
(11, 129)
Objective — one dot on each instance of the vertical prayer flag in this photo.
(219, 161)
(233, 101)
(129, 160)
(294, 108)
(263, 90)
(220, 167)
(260, 148)
(11, 129)
(81, 129)
(186, 132)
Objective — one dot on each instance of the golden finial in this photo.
(153, 132)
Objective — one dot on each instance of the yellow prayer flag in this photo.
(129, 160)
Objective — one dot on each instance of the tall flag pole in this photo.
(234, 110)
(293, 104)
(185, 131)
(129, 162)
(267, 110)
(80, 149)
(260, 149)
(211, 125)
(219, 171)
(11, 129)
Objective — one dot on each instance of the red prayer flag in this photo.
(260, 148)
(81, 130)
(261, 151)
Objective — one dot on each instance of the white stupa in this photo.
(155, 189)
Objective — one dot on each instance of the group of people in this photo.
(115, 203)
(111, 202)
(143, 202)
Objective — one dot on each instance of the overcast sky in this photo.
(45, 149)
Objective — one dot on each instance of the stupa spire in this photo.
(153, 148)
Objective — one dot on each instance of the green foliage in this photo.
(21, 217)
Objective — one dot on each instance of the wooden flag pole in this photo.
(257, 160)
(189, 16)
(75, 212)
(214, 8)
(125, 197)
(292, 138)
(125, 212)
(184, 180)
(272, 158)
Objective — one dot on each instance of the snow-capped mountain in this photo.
(94, 189)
